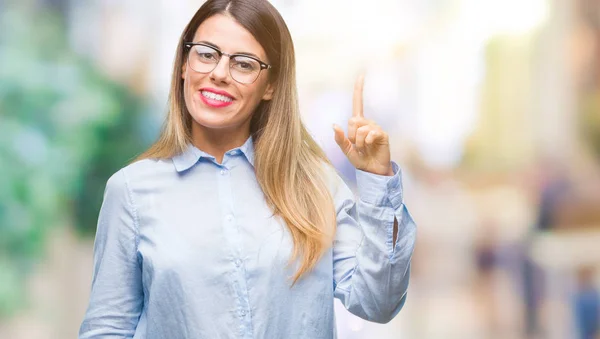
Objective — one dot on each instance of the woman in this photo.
(234, 224)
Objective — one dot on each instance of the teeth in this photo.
(214, 96)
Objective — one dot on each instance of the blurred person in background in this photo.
(234, 223)
(568, 203)
(487, 264)
(586, 305)
(552, 190)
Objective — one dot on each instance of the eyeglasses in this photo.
(243, 68)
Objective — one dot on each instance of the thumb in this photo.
(341, 140)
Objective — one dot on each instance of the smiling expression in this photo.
(215, 100)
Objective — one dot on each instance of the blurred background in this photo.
(493, 108)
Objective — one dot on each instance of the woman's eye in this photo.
(205, 53)
(207, 56)
(245, 65)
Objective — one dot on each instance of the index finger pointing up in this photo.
(357, 102)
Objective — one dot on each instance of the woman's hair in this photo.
(290, 166)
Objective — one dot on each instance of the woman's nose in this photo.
(221, 71)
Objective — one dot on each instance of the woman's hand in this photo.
(367, 145)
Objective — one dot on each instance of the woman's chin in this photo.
(211, 123)
(212, 120)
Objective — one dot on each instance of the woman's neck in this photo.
(218, 141)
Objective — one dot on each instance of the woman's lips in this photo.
(212, 99)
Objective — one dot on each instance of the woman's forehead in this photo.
(228, 35)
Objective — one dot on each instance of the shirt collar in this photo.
(191, 155)
(248, 150)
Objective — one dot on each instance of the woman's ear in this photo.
(268, 95)
(183, 70)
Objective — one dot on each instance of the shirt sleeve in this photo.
(370, 272)
(116, 297)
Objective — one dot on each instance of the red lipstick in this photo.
(215, 98)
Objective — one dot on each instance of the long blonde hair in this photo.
(290, 166)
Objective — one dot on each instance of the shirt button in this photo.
(238, 262)
(229, 217)
(223, 172)
(243, 313)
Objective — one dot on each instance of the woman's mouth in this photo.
(213, 99)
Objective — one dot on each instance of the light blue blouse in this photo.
(188, 248)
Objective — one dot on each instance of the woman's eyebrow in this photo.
(208, 43)
(217, 47)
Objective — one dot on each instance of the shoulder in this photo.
(141, 173)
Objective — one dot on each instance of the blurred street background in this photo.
(492, 106)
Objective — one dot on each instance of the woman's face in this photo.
(232, 108)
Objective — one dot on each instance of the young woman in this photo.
(234, 224)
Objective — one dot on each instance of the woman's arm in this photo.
(370, 270)
(116, 298)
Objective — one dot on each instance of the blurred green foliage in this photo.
(64, 129)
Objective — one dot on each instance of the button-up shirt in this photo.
(188, 248)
